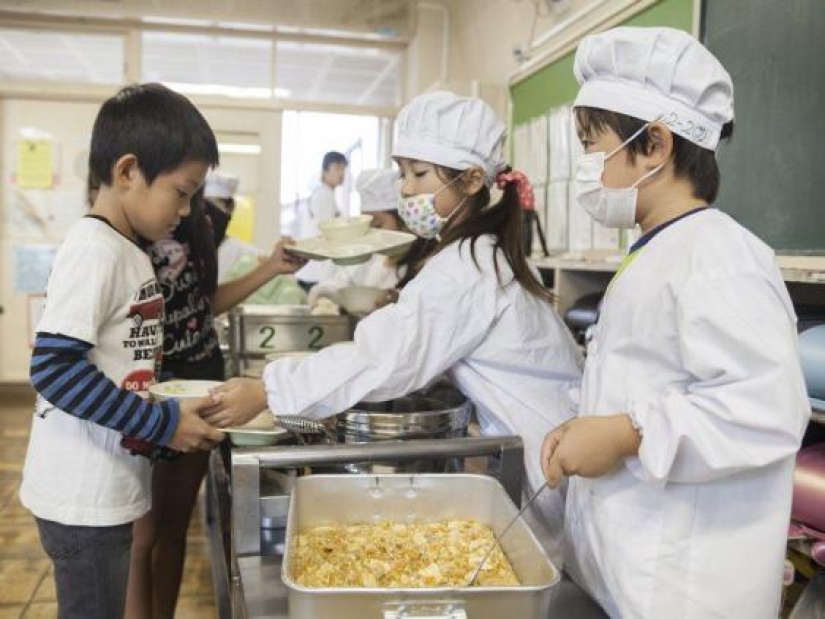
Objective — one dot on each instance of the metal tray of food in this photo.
(321, 500)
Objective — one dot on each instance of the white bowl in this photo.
(260, 431)
(182, 389)
(361, 299)
(345, 228)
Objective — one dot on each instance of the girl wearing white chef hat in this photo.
(693, 403)
(476, 310)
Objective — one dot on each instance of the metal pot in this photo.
(408, 418)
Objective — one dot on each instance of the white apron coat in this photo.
(697, 341)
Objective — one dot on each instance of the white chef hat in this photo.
(220, 185)
(656, 74)
(452, 131)
(379, 190)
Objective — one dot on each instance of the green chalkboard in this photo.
(773, 170)
(555, 84)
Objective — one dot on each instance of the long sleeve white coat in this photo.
(697, 341)
(506, 350)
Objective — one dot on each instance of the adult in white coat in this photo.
(693, 404)
(321, 207)
(378, 189)
(475, 310)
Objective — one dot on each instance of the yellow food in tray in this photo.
(387, 554)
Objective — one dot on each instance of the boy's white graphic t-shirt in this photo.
(102, 290)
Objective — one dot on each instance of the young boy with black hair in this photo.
(693, 403)
(98, 346)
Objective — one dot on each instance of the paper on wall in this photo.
(32, 266)
(561, 152)
(35, 163)
(43, 213)
(557, 220)
(521, 148)
(538, 151)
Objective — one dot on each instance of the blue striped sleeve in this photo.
(62, 373)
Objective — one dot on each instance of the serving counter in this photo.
(248, 493)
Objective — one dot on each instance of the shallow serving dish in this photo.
(356, 251)
(320, 500)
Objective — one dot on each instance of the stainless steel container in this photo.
(435, 414)
(410, 417)
(323, 500)
(256, 330)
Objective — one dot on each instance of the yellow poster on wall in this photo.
(34, 164)
(242, 225)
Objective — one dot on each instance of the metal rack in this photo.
(247, 579)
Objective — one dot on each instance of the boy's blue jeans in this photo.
(91, 568)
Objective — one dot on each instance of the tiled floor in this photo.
(26, 585)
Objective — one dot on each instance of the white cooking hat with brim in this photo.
(451, 131)
(656, 74)
(379, 190)
(219, 185)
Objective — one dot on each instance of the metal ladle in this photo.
(303, 425)
(504, 532)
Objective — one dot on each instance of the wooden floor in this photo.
(26, 584)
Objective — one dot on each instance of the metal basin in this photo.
(325, 500)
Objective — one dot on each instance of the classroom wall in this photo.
(34, 220)
(426, 66)
(483, 34)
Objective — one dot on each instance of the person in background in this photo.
(236, 258)
(476, 310)
(97, 346)
(693, 403)
(379, 198)
(185, 263)
(320, 208)
(219, 195)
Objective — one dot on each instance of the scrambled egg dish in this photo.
(386, 554)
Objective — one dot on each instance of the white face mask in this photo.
(611, 207)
